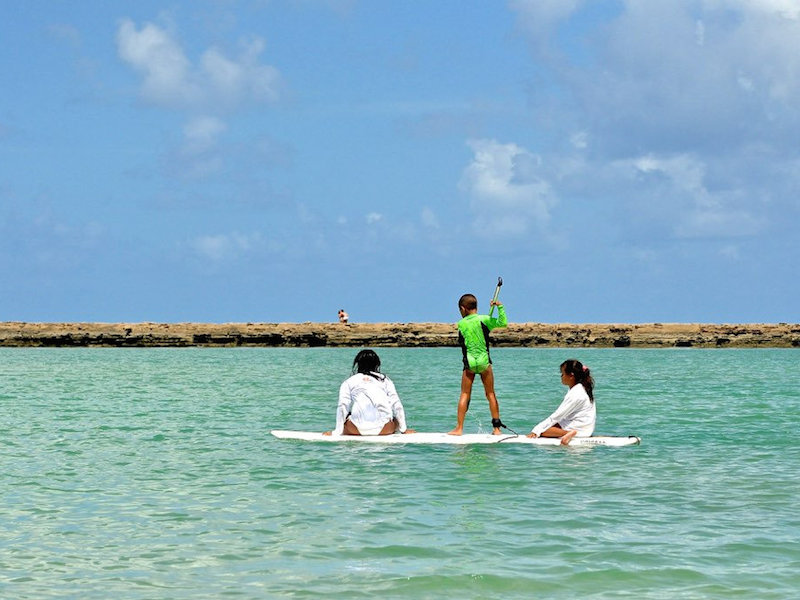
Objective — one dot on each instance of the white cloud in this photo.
(199, 156)
(373, 217)
(541, 16)
(695, 211)
(232, 82)
(201, 133)
(700, 33)
(508, 195)
(718, 222)
(683, 170)
(667, 75)
(217, 82)
(686, 111)
(67, 33)
(580, 140)
(429, 218)
(789, 9)
(224, 247)
(207, 90)
(160, 60)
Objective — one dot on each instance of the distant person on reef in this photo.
(473, 337)
(368, 401)
(343, 316)
(577, 414)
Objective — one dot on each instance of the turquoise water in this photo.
(150, 473)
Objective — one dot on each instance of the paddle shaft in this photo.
(496, 294)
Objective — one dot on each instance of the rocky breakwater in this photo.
(648, 335)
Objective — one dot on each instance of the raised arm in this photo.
(501, 320)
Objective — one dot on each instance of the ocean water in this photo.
(150, 473)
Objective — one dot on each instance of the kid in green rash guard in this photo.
(473, 337)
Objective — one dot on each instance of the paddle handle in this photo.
(496, 294)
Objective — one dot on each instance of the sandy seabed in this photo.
(605, 335)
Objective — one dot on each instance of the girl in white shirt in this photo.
(368, 401)
(577, 414)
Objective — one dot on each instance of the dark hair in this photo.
(468, 301)
(367, 362)
(581, 373)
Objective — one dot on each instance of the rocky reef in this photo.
(646, 335)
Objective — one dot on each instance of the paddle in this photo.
(496, 294)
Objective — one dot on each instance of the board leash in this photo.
(499, 424)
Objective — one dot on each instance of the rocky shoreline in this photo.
(645, 335)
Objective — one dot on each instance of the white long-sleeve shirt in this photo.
(371, 401)
(576, 411)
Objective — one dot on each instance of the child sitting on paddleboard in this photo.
(368, 401)
(473, 337)
(577, 414)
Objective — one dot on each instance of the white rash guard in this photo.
(371, 401)
(576, 411)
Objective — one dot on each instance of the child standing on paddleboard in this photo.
(576, 415)
(473, 337)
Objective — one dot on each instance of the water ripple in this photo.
(150, 473)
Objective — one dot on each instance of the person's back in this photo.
(368, 401)
(473, 337)
(369, 398)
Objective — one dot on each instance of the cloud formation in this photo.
(670, 75)
(508, 196)
(216, 83)
(207, 92)
(225, 247)
(686, 111)
(201, 134)
(678, 182)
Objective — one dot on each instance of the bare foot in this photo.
(496, 431)
(567, 437)
(456, 431)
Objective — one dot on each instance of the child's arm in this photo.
(501, 320)
(567, 408)
(397, 406)
(342, 408)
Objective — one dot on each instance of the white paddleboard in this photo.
(443, 438)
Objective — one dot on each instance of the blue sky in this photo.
(276, 160)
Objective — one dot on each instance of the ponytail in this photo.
(581, 373)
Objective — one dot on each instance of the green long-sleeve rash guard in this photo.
(473, 337)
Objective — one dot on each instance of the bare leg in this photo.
(467, 377)
(390, 427)
(567, 437)
(487, 377)
(556, 431)
(350, 428)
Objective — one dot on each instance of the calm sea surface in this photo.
(150, 473)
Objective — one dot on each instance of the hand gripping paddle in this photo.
(496, 294)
